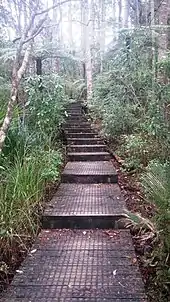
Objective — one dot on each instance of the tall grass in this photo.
(21, 190)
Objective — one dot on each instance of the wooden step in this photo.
(85, 206)
(89, 172)
(77, 119)
(88, 156)
(79, 130)
(79, 265)
(84, 141)
(75, 124)
(81, 135)
(86, 148)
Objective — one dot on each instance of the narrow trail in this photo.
(80, 255)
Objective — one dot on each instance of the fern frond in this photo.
(157, 184)
(139, 223)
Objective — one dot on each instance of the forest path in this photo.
(80, 254)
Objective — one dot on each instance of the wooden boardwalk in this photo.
(80, 254)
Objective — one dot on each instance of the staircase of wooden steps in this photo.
(82, 253)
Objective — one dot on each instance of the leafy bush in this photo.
(46, 104)
(119, 120)
(156, 183)
(4, 96)
(137, 150)
(128, 101)
(30, 160)
(17, 143)
(76, 89)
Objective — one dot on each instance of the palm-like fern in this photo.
(156, 183)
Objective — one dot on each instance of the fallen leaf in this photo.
(134, 260)
(19, 271)
(33, 251)
(114, 272)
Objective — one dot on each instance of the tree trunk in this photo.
(92, 33)
(138, 12)
(102, 30)
(70, 30)
(114, 26)
(60, 26)
(16, 79)
(126, 14)
(120, 13)
(164, 37)
(83, 28)
(168, 32)
(153, 47)
(88, 62)
(39, 66)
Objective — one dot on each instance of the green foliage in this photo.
(51, 160)
(130, 103)
(137, 150)
(76, 89)
(46, 103)
(119, 120)
(22, 189)
(31, 158)
(156, 183)
(164, 66)
(17, 144)
(4, 96)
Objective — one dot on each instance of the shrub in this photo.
(46, 104)
(30, 160)
(22, 189)
(137, 150)
(156, 183)
(119, 120)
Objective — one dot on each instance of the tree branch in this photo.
(52, 7)
(36, 30)
(37, 14)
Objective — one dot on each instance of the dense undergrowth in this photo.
(31, 159)
(133, 112)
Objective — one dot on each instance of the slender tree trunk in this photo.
(153, 47)
(60, 26)
(146, 12)
(55, 37)
(114, 26)
(88, 62)
(102, 38)
(92, 33)
(120, 13)
(70, 30)
(16, 79)
(38, 66)
(168, 32)
(137, 13)
(83, 27)
(126, 14)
